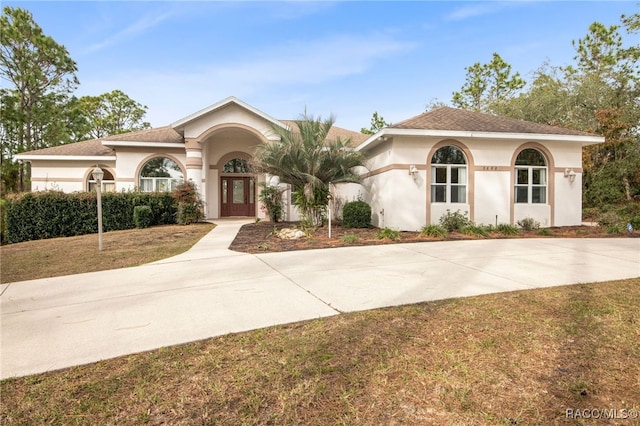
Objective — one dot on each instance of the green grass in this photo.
(74, 255)
(512, 358)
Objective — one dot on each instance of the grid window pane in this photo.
(439, 175)
(522, 176)
(438, 193)
(458, 193)
(522, 194)
(539, 194)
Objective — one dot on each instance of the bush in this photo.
(507, 229)
(454, 222)
(271, 197)
(356, 214)
(388, 234)
(476, 230)
(350, 238)
(436, 231)
(190, 206)
(51, 214)
(3, 220)
(528, 224)
(142, 216)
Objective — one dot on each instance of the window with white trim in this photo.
(108, 182)
(160, 174)
(530, 177)
(449, 176)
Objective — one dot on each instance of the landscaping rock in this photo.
(291, 234)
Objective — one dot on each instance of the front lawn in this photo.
(518, 358)
(74, 255)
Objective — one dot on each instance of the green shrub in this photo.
(50, 214)
(436, 231)
(356, 214)
(387, 234)
(476, 230)
(454, 222)
(544, 232)
(350, 238)
(507, 229)
(271, 197)
(142, 216)
(528, 224)
(3, 220)
(190, 206)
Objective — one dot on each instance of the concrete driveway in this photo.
(54, 323)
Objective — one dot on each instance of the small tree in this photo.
(306, 159)
(271, 197)
(190, 205)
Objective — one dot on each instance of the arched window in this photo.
(531, 177)
(108, 182)
(160, 174)
(237, 165)
(449, 176)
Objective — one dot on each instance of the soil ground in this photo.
(261, 237)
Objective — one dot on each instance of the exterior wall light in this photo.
(570, 174)
(413, 170)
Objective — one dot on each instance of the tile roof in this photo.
(447, 118)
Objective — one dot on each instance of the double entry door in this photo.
(237, 196)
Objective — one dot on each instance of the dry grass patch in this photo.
(73, 255)
(514, 358)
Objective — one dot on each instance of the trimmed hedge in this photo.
(356, 214)
(142, 216)
(51, 214)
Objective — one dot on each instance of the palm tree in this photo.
(309, 162)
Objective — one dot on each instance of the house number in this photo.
(490, 168)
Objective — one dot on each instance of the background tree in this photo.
(600, 93)
(111, 114)
(40, 75)
(377, 123)
(487, 86)
(307, 160)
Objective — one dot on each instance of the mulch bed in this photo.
(261, 237)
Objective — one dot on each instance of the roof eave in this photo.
(35, 157)
(380, 136)
(142, 144)
(230, 100)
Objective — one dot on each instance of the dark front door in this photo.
(238, 196)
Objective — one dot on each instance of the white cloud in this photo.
(472, 10)
(140, 26)
(171, 95)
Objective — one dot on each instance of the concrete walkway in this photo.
(54, 323)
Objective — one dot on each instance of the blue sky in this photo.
(343, 58)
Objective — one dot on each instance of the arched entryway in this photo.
(237, 189)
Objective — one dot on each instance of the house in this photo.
(494, 168)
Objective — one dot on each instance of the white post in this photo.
(99, 189)
(330, 209)
(98, 174)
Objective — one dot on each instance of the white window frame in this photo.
(530, 185)
(448, 185)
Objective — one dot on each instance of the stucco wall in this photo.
(67, 176)
(229, 114)
(406, 199)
